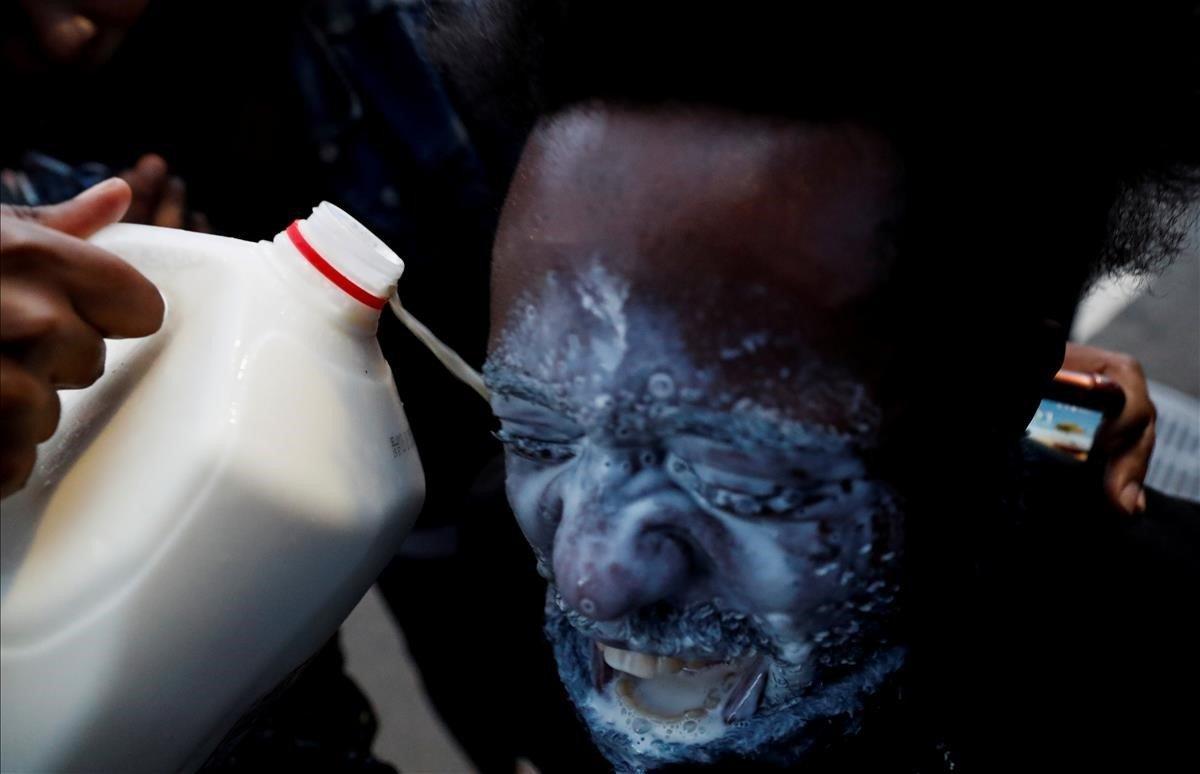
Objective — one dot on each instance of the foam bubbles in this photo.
(661, 386)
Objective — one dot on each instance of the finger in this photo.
(171, 207)
(152, 167)
(58, 346)
(198, 221)
(29, 406)
(24, 312)
(1125, 476)
(147, 179)
(71, 359)
(1125, 373)
(29, 413)
(107, 293)
(87, 213)
(15, 467)
(1118, 433)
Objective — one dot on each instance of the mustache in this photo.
(697, 630)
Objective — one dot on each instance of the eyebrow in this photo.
(751, 433)
(746, 432)
(507, 382)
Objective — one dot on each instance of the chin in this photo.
(698, 701)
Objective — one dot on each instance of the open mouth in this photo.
(696, 694)
(667, 691)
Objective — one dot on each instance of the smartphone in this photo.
(1071, 411)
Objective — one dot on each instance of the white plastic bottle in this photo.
(212, 508)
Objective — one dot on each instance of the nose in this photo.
(610, 562)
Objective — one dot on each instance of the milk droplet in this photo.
(661, 386)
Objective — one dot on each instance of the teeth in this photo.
(601, 672)
(641, 665)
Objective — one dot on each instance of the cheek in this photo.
(534, 494)
(765, 567)
(796, 567)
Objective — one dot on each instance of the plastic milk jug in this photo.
(212, 508)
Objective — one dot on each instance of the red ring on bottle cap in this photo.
(331, 274)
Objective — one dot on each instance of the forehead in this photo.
(576, 343)
(692, 237)
(703, 197)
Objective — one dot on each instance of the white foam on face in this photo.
(645, 733)
(571, 329)
(670, 696)
(603, 295)
(525, 499)
(608, 364)
(774, 572)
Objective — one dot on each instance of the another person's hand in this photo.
(159, 198)
(1127, 441)
(60, 297)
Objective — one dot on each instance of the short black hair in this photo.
(1083, 115)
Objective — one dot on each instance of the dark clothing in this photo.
(1090, 657)
(1061, 641)
(316, 721)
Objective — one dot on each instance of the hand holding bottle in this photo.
(60, 297)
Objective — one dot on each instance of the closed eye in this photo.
(545, 451)
(535, 432)
(731, 493)
(755, 498)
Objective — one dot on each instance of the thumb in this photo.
(90, 211)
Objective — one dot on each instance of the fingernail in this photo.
(1131, 495)
(1141, 503)
(108, 183)
(99, 188)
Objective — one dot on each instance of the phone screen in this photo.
(1065, 428)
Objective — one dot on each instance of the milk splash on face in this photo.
(616, 434)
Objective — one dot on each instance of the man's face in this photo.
(684, 361)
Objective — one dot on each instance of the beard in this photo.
(810, 696)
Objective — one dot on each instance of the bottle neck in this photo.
(340, 265)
